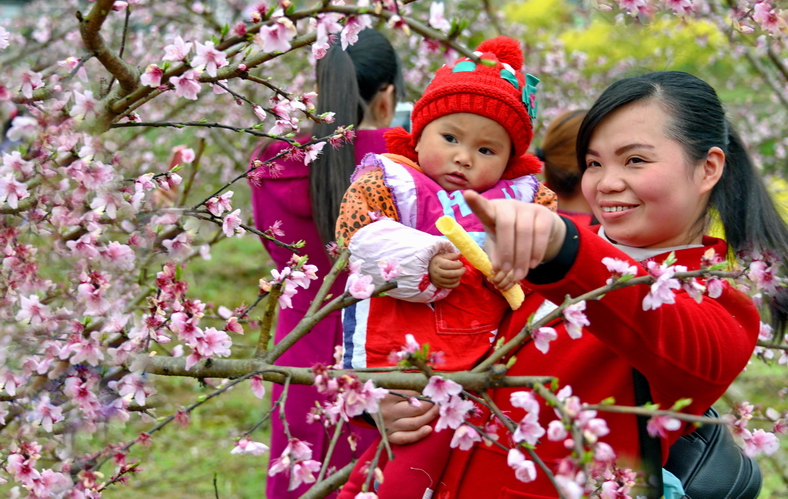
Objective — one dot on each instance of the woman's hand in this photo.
(520, 235)
(404, 423)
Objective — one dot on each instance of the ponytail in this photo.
(750, 218)
(347, 80)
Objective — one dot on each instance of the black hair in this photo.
(698, 122)
(347, 80)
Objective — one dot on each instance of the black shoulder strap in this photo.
(650, 447)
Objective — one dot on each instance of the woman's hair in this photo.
(347, 80)
(698, 122)
(559, 156)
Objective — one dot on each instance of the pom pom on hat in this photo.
(494, 88)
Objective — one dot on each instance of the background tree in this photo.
(127, 130)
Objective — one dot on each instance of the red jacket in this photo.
(688, 349)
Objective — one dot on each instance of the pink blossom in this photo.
(180, 246)
(132, 386)
(23, 128)
(542, 338)
(389, 269)
(633, 7)
(45, 413)
(22, 469)
(759, 441)
(14, 162)
(363, 398)
(257, 386)
(209, 57)
(619, 269)
(766, 332)
(411, 347)
(84, 350)
(30, 81)
(120, 255)
(152, 76)
(218, 205)
(764, 276)
(714, 287)
(575, 319)
(327, 25)
(233, 326)
(524, 470)
(232, 225)
(661, 425)
(604, 452)
(312, 151)
(353, 25)
(186, 86)
(83, 105)
(33, 310)
(680, 7)
(524, 400)
(662, 289)
(464, 438)
(556, 431)
(288, 291)
(259, 112)
(246, 445)
(303, 473)
(12, 191)
(187, 156)
(452, 413)
(178, 50)
(276, 36)
(5, 36)
(213, 342)
(437, 20)
(528, 429)
(360, 286)
(50, 484)
(440, 390)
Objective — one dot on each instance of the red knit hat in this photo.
(494, 88)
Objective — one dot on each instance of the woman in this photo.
(361, 86)
(657, 154)
(561, 172)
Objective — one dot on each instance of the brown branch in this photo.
(90, 27)
(230, 368)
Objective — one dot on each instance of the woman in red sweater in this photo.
(657, 154)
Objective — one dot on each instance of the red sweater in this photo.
(688, 349)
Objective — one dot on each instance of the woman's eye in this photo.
(450, 138)
(637, 160)
(592, 164)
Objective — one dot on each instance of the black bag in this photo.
(708, 461)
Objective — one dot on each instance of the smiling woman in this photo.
(635, 179)
(658, 153)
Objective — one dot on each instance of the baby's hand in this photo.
(446, 270)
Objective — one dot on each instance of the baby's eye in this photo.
(450, 138)
(486, 151)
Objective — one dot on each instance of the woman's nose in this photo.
(610, 181)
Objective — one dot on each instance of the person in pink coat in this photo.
(361, 86)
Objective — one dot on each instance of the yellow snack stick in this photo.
(476, 256)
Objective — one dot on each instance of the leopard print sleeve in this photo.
(366, 198)
(546, 197)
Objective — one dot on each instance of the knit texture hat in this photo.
(494, 88)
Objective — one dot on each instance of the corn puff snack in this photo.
(476, 256)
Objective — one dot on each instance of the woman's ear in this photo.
(713, 167)
(383, 106)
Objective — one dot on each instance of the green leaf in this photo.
(681, 404)
(512, 360)
(225, 30)
(608, 401)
